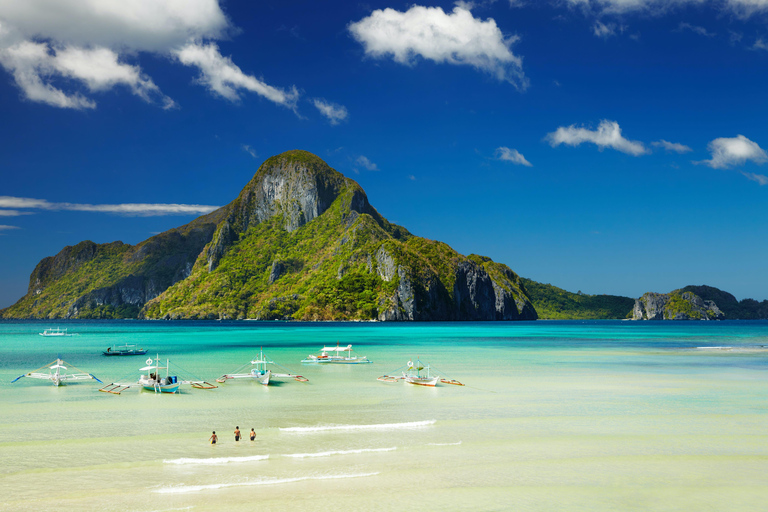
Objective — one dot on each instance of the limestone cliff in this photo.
(677, 305)
(300, 241)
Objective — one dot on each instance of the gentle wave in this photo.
(444, 444)
(182, 489)
(383, 426)
(218, 460)
(338, 452)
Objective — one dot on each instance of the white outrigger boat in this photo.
(336, 355)
(57, 373)
(418, 373)
(55, 332)
(259, 372)
(154, 381)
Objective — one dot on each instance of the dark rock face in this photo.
(475, 295)
(278, 267)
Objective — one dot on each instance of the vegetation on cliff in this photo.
(552, 302)
(300, 241)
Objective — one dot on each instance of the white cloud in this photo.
(98, 69)
(607, 135)
(741, 8)
(248, 149)
(760, 44)
(54, 47)
(672, 146)
(431, 33)
(224, 78)
(130, 209)
(334, 112)
(511, 155)
(762, 179)
(604, 31)
(4, 227)
(695, 29)
(11, 213)
(139, 25)
(364, 162)
(729, 152)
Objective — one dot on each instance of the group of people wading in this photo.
(215, 438)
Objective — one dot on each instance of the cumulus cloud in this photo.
(364, 162)
(511, 155)
(55, 48)
(334, 112)
(34, 64)
(607, 135)
(432, 34)
(675, 147)
(729, 152)
(224, 78)
(128, 209)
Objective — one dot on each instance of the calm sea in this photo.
(554, 416)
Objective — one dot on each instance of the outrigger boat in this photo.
(336, 355)
(124, 350)
(55, 332)
(57, 373)
(259, 372)
(418, 373)
(154, 381)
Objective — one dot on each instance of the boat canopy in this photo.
(153, 368)
(348, 348)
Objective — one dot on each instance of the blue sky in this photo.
(613, 146)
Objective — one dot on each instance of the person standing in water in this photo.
(214, 438)
(237, 433)
(253, 435)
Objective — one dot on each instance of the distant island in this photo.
(302, 242)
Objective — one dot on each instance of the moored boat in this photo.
(336, 355)
(54, 332)
(259, 371)
(153, 380)
(124, 350)
(57, 373)
(419, 374)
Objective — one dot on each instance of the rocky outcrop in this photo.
(301, 242)
(677, 305)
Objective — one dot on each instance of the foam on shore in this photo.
(183, 489)
(383, 426)
(214, 461)
(338, 452)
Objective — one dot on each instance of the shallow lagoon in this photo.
(554, 416)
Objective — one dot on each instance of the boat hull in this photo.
(162, 388)
(422, 381)
(125, 353)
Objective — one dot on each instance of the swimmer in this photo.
(214, 438)
(237, 433)
(253, 435)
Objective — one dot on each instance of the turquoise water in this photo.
(554, 416)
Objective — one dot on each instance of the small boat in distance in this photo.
(418, 373)
(57, 373)
(55, 332)
(336, 355)
(259, 372)
(124, 350)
